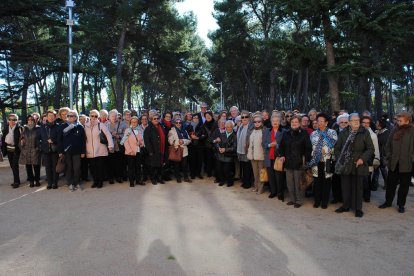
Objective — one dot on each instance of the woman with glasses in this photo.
(255, 152)
(178, 137)
(399, 152)
(48, 136)
(97, 152)
(10, 141)
(72, 144)
(295, 150)
(30, 152)
(243, 132)
(353, 151)
(133, 141)
(155, 140)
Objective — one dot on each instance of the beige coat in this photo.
(255, 150)
(94, 148)
(174, 140)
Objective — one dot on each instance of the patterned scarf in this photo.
(346, 154)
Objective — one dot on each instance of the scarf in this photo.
(162, 141)
(167, 124)
(401, 130)
(346, 154)
(272, 150)
(69, 127)
(241, 139)
(182, 134)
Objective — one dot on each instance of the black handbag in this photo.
(330, 165)
(102, 136)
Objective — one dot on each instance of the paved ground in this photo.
(194, 229)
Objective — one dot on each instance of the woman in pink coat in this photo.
(133, 141)
(97, 152)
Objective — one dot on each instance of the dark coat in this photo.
(48, 132)
(230, 146)
(17, 131)
(382, 142)
(200, 132)
(400, 152)
(74, 141)
(363, 148)
(30, 150)
(152, 142)
(267, 140)
(295, 146)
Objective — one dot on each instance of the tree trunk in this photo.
(271, 103)
(129, 100)
(305, 93)
(378, 97)
(24, 93)
(58, 90)
(330, 58)
(119, 54)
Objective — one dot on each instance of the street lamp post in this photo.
(221, 95)
(69, 22)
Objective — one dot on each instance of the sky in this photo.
(203, 10)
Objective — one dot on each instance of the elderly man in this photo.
(234, 112)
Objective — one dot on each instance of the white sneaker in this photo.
(78, 187)
(71, 188)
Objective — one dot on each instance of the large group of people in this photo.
(342, 153)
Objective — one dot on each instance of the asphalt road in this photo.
(194, 229)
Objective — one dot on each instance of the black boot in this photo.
(31, 184)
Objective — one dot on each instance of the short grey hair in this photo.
(75, 113)
(353, 115)
(229, 122)
(113, 111)
(340, 117)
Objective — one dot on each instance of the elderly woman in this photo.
(271, 142)
(178, 137)
(198, 137)
(133, 141)
(30, 153)
(96, 152)
(103, 116)
(255, 152)
(71, 143)
(83, 119)
(117, 129)
(399, 152)
(10, 146)
(323, 141)
(62, 115)
(155, 140)
(48, 136)
(246, 173)
(226, 145)
(353, 151)
(208, 152)
(295, 149)
(221, 128)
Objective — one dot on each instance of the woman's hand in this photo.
(282, 158)
(359, 162)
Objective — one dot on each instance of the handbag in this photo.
(264, 177)
(60, 166)
(306, 179)
(102, 136)
(330, 165)
(278, 166)
(175, 154)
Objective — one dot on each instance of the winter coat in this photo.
(173, 140)
(46, 132)
(230, 146)
(382, 141)
(152, 144)
(133, 143)
(328, 147)
(29, 146)
(119, 128)
(17, 131)
(363, 148)
(267, 140)
(73, 141)
(94, 148)
(400, 152)
(255, 149)
(296, 148)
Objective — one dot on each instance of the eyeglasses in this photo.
(70, 116)
(244, 117)
(288, 115)
(155, 119)
(93, 116)
(178, 123)
(13, 120)
(257, 122)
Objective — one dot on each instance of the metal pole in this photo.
(69, 22)
(221, 95)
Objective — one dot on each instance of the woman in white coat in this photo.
(178, 137)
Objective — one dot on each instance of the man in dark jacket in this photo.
(72, 144)
(48, 139)
(10, 146)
